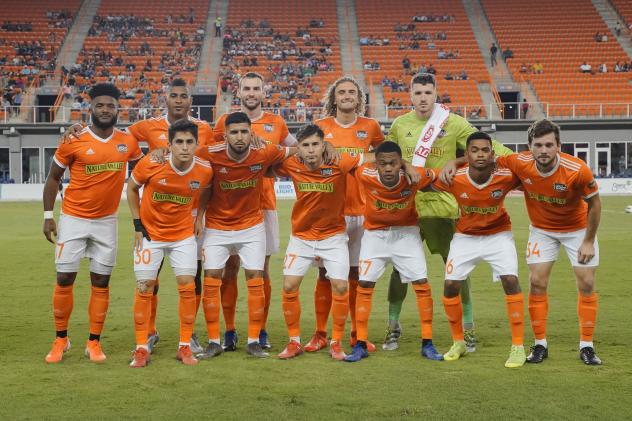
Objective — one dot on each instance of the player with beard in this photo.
(87, 225)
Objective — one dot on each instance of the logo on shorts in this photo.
(121, 147)
(406, 193)
(361, 134)
(255, 168)
(497, 194)
(559, 187)
(268, 128)
(326, 171)
(194, 185)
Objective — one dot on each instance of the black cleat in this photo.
(588, 356)
(212, 350)
(230, 340)
(256, 350)
(538, 354)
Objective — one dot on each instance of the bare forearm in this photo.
(594, 217)
(133, 199)
(50, 193)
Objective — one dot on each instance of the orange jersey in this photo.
(481, 206)
(271, 128)
(97, 172)
(169, 196)
(555, 201)
(320, 196)
(357, 137)
(155, 131)
(237, 186)
(390, 206)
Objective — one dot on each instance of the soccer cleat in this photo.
(391, 342)
(230, 341)
(457, 351)
(60, 346)
(94, 352)
(152, 340)
(318, 342)
(186, 356)
(256, 350)
(588, 356)
(353, 340)
(470, 340)
(428, 351)
(336, 352)
(196, 348)
(292, 349)
(357, 353)
(538, 354)
(140, 358)
(212, 350)
(263, 339)
(517, 357)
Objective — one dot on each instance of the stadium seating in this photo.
(624, 7)
(561, 36)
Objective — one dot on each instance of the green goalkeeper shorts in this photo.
(437, 233)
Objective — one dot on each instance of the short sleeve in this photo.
(218, 130)
(202, 153)
(135, 152)
(437, 184)
(377, 136)
(507, 161)
(137, 130)
(205, 134)
(428, 176)
(141, 173)
(348, 162)
(276, 153)
(284, 132)
(587, 182)
(209, 179)
(64, 155)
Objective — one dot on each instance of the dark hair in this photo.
(183, 125)
(541, 128)
(478, 136)
(104, 89)
(235, 118)
(388, 147)
(251, 75)
(424, 79)
(310, 130)
(178, 82)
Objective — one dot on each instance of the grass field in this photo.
(387, 385)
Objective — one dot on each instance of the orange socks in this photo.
(98, 308)
(322, 303)
(229, 301)
(292, 312)
(538, 310)
(339, 311)
(267, 290)
(62, 306)
(142, 312)
(364, 299)
(353, 288)
(515, 311)
(154, 307)
(256, 307)
(454, 312)
(211, 301)
(423, 294)
(587, 312)
(186, 310)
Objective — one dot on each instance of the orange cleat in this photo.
(60, 346)
(186, 356)
(140, 358)
(336, 352)
(353, 340)
(94, 352)
(293, 349)
(318, 342)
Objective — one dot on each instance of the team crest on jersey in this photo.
(255, 168)
(406, 193)
(559, 187)
(268, 128)
(121, 147)
(326, 171)
(361, 134)
(194, 184)
(497, 194)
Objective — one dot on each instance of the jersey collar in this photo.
(480, 186)
(99, 138)
(555, 167)
(176, 170)
(346, 126)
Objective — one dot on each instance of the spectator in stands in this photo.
(524, 68)
(617, 67)
(218, 27)
(367, 65)
(604, 37)
(441, 54)
(507, 54)
(493, 50)
(585, 68)
(524, 108)
(463, 75)
(448, 76)
(597, 36)
(538, 68)
(431, 69)
(603, 68)
(445, 98)
(617, 29)
(406, 63)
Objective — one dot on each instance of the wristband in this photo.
(138, 226)
(49, 215)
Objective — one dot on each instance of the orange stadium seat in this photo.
(624, 7)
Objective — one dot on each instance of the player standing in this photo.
(88, 221)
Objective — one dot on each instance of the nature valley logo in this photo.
(172, 198)
(436, 151)
(350, 151)
(547, 199)
(235, 185)
(390, 206)
(479, 210)
(316, 187)
(108, 166)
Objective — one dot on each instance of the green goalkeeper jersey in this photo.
(405, 131)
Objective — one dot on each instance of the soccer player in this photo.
(164, 227)
(483, 233)
(347, 129)
(392, 235)
(235, 224)
(429, 137)
(564, 207)
(87, 224)
(273, 130)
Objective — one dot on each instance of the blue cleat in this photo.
(358, 352)
(230, 340)
(428, 351)
(263, 339)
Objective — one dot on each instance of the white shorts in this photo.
(543, 246)
(331, 252)
(95, 239)
(249, 244)
(182, 257)
(499, 250)
(271, 222)
(355, 230)
(401, 246)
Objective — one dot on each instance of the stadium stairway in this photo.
(350, 52)
(609, 15)
(211, 56)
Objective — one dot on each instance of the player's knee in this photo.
(537, 283)
(366, 284)
(145, 285)
(214, 273)
(339, 287)
(510, 284)
(451, 288)
(98, 280)
(253, 274)
(585, 284)
(420, 281)
(65, 279)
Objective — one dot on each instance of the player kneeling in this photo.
(392, 235)
(164, 227)
(483, 233)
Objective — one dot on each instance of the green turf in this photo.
(386, 385)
